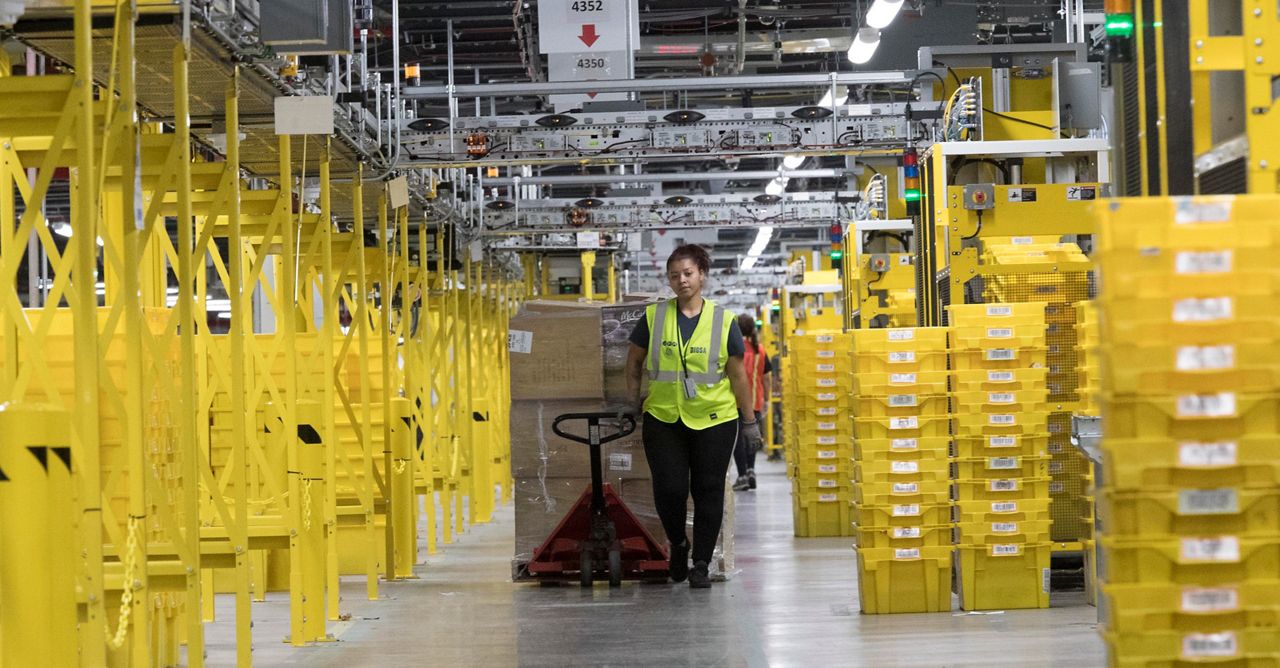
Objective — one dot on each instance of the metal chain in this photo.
(306, 505)
(401, 466)
(116, 639)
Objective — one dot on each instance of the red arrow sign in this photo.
(589, 35)
(592, 95)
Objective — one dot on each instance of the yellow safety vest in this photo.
(705, 356)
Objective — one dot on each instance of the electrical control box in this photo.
(979, 196)
(681, 138)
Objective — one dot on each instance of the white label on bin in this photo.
(1220, 501)
(1020, 241)
(828, 484)
(1001, 354)
(1057, 428)
(1002, 442)
(1057, 487)
(826, 396)
(826, 454)
(1009, 485)
(1207, 455)
(1046, 578)
(1204, 211)
(904, 444)
(1003, 418)
(1206, 358)
(1004, 527)
(828, 498)
(906, 488)
(1006, 550)
(902, 356)
(908, 510)
(999, 332)
(999, 463)
(902, 335)
(1203, 310)
(999, 311)
(826, 426)
(826, 368)
(826, 354)
(827, 411)
(906, 532)
(826, 440)
(1220, 404)
(1219, 548)
(824, 338)
(1215, 599)
(826, 468)
(1001, 397)
(1055, 468)
(620, 461)
(1203, 262)
(912, 422)
(902, 378)
(1000, 376)
(1004, 506)
(906, 553)
(905, 467)
(899, 400)
(826, 382)
(1198, 645)
(1056, 448)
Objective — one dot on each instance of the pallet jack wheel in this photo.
(615, 568)
(584, 577)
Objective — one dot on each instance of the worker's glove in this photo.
(751, 434)
(630, 408)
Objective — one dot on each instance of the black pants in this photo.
(744, 456)
(683, 461)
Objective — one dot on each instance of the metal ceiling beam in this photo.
(755, 175)
(667, 84)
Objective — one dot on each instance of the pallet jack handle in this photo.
(627, 425)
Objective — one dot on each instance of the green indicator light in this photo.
(1119, 25)
(912, 195)
(836, 255)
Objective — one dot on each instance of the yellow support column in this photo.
(307, 577)
(38, 545)
(588, 263)
(403, 498)
(613, 281)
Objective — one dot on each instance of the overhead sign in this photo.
(586, 66)
(565, 26)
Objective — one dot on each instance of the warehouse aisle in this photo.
(792, 603)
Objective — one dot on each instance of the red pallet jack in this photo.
(599, 534)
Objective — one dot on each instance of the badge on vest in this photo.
(690, 389)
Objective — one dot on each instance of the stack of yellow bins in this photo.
(820, 432)
(1190, 503)
(902, 472)
(1001, 434)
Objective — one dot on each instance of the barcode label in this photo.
(827, 411)
(1001, 397)
(1004, 527)
(1217, 599)
(1057, 428)
(1055, 468)
(1002, 442)
(1203, 262)
(1207, 455)
(828, 498)
(826, 426)
(902, 378)
(826, 440)
(1221, 404)
(1000, 376)
(1003, 419)
(1006, 550)
(824, 338)
(999, 332)
(902, 335)
(826, 368)
(1056, 448)
(1203, 310)
(900, 400)
(908, 510)
(1211, 211)
(902, 356)
(1057, 487)
(912, 422)
(999, 311)
(1206, 358)
(826, 483)
(1001, 463)
(826, 382)
(826, 468)
(826, 354)
(1001, 354)
(826, 454)
(905, 467)
(1009, 485)
(1220, 549)
(906, 488)
(904, 444)
(1222, 644)
(1022, 241)
(906, 532)
(906, 553)
(1208, 501)
(1004, 506)
(826, 396)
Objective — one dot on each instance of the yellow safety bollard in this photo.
(38, 551)
(308, 545)
(404, 502)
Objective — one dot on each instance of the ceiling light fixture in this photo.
(864, 46)
(500, 205)
(678, 200)
(777, 186)
(589, 203)
(684, 116)
(763, 236)
(883, 12)
(428, 124)
(556, 121)
(792, 161)
(812, 113)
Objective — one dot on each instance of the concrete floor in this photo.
(793, 602)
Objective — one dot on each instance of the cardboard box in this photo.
(537, 451)
(565, 356)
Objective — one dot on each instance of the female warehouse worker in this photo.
(692, 351)
(756, 362)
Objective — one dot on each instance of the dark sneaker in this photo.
(679, 563)
(742, 484)
(751, 479)
(699, 578)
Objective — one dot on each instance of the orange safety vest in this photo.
(754, 359)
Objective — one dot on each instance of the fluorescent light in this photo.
(748, 262)
(777, 186)
(763, 236)
(61, 229)
(225, 315)
(792, 161)
(882, 13)
(864, 46)
(827, 101)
